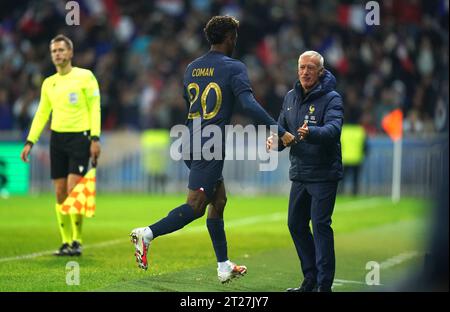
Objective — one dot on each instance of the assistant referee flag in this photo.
(82, 198)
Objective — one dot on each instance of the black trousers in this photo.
(313, 202)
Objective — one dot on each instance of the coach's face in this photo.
(309, 71)
(61, 53)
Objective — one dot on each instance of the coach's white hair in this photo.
(312, 54)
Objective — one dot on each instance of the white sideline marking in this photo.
(356, 204)
(339, 282)
(360, 204)
(49, 252)
(389, 263)
(404, 256)
(29, 256)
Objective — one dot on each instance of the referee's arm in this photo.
(41, 117)
(39, 121)
(93, 103)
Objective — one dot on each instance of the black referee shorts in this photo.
(69, 153)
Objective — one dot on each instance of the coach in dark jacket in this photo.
(314, 110)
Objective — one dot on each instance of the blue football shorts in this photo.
(205, 175)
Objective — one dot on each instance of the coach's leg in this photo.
(323, 199)
(76, 219)
(215, 223)
(63, 220)
(179, 217)
(299, 215)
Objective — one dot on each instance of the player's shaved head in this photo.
(219, 27)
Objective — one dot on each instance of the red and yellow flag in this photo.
(82, 198)
(392, 123)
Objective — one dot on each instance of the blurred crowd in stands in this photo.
(139, 49)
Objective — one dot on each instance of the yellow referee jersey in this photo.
(74, 101)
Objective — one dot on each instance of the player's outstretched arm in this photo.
(288, 139)
(272, 141)
(254, 109)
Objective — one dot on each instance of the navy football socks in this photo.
(175, 220)
(218, 238)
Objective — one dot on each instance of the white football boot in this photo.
(140, 246)
(231, 272)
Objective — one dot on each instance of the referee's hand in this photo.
(25, 152)
(95, 152)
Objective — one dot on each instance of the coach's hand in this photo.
(95, 151)
(25, 152)
(288, 139)
(303, 131)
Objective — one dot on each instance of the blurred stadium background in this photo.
(138, 51)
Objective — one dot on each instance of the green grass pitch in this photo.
(366, 229)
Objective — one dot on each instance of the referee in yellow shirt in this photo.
(72, 96)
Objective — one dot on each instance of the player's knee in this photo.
(221, 203)
(199, 210)
(198, 202)
(214, 212)
(217, 207)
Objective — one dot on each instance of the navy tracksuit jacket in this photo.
(316, 168)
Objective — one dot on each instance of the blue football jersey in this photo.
(212, 84)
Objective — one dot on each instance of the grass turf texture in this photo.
(366, 229)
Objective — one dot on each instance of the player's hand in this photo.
(95, 152)
(303, 131)
(272, 142)
(288, 139)
(25, 152)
